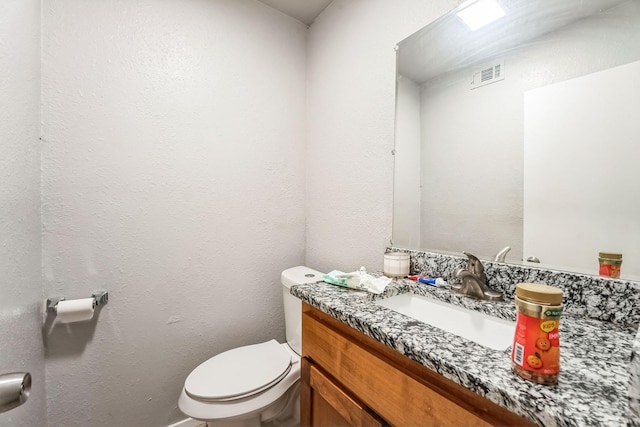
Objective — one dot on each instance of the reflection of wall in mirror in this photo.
(472, 148)
(471, 157)
(406, 183)
(585, 130)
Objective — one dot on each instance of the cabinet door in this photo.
(324, 403)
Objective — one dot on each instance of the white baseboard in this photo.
(189, 422)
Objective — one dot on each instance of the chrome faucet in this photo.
(500, 256)
(474, 281)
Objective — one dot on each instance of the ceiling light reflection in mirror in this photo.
(478, 13)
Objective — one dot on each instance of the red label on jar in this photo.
(605, 270)
(536, 345)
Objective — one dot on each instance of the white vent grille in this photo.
(487, 74)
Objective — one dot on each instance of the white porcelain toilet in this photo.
(254, 385)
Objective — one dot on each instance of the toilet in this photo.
(254, 385)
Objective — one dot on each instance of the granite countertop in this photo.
(594, 362)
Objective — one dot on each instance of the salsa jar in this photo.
(536, 344)
(610, 264)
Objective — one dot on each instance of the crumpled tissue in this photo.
(360, 280)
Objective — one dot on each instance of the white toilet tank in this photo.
(292, 305)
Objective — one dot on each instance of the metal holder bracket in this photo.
(52, 304)
(101, 297)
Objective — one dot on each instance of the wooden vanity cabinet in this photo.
(349, 379)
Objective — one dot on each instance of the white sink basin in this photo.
(485, 330)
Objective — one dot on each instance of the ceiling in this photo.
(447, 44)
(305, 11)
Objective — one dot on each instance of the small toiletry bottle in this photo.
(536, 345)
(610, 264)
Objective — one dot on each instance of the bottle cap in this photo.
(539, 292)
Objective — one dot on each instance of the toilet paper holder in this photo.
(99, 298)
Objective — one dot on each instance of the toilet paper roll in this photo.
(75, 310)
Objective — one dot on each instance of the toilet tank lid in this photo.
(239, 372)
(299, 275)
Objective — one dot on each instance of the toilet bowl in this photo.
(254, 385)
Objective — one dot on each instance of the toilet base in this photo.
(247, 422)
(284, 412)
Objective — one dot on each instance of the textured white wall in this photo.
(173, 176)
(350, 126)
(20, 243)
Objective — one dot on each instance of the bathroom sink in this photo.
(485, 330)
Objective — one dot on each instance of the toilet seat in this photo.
(239, 373)
(208, 410)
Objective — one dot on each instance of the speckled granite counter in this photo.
(595, 355)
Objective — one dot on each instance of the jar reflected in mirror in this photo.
(610, 264)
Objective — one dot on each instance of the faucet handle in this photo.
(475, 266)
(502, 254)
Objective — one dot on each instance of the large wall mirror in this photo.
(522, 132)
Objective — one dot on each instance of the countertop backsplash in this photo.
(595, 297)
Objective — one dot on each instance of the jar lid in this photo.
(539, 292)
(396, 254)
(610, 255)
